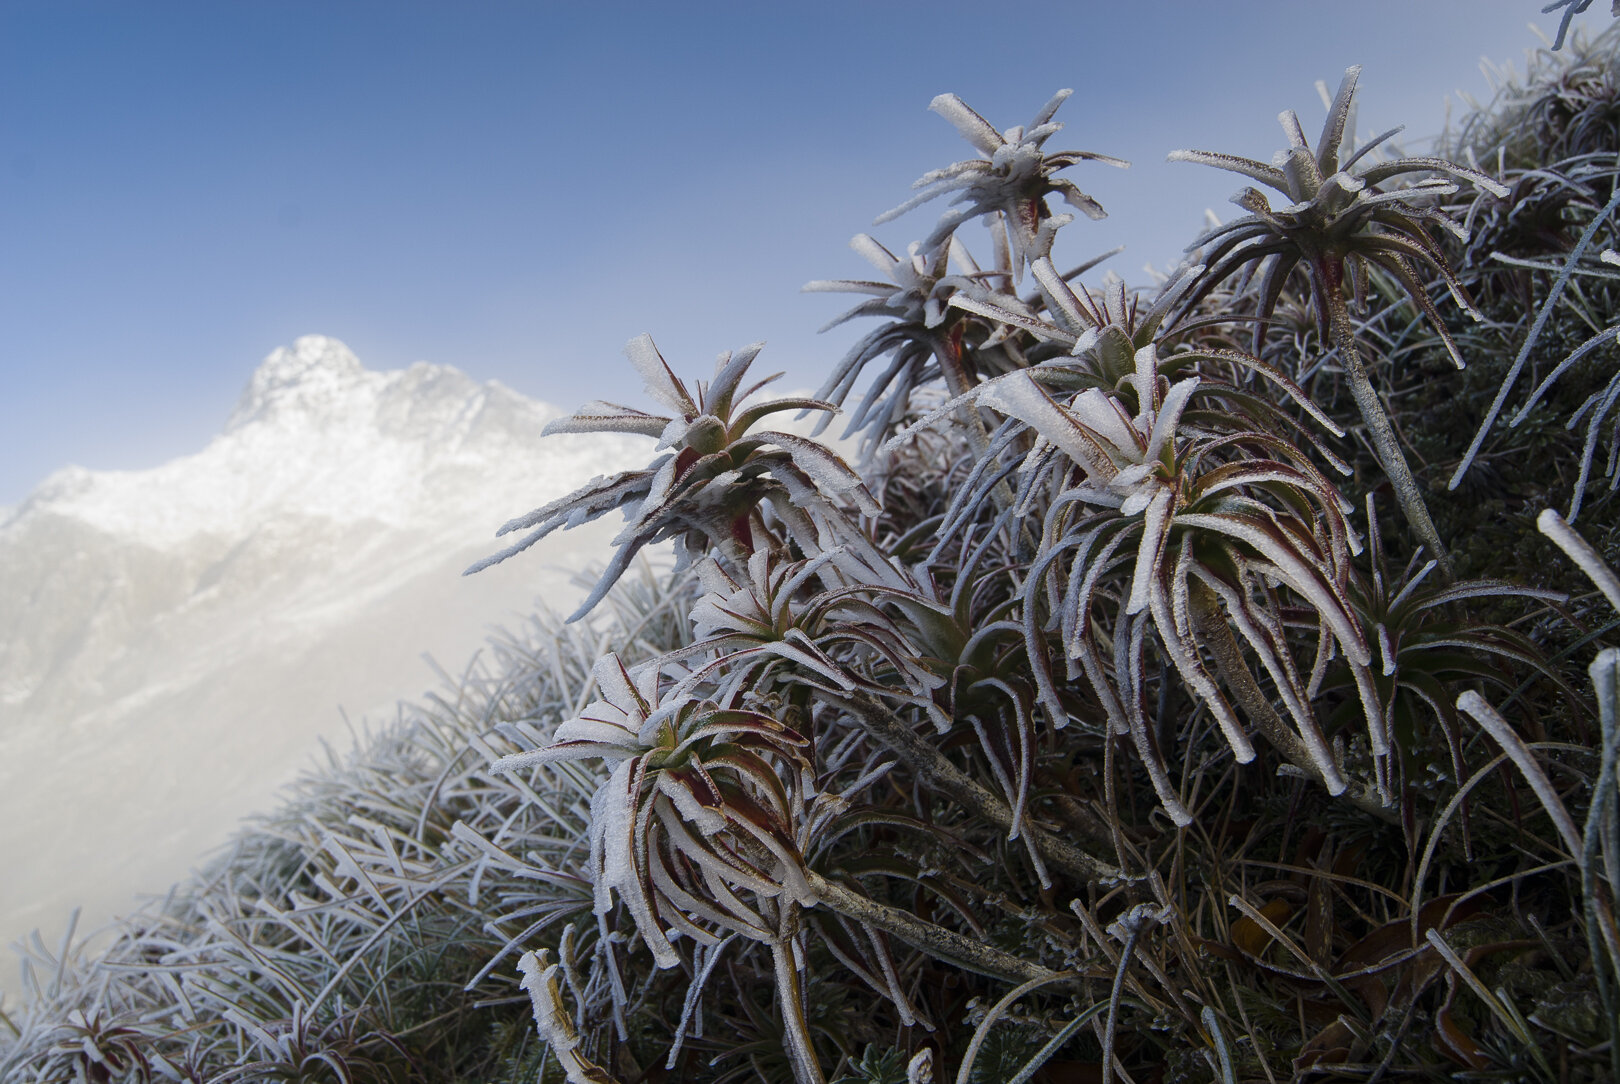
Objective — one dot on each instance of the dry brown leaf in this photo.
(1249, 937)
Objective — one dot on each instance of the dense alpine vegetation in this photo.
(1206, 682)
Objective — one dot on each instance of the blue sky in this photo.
(518, 188)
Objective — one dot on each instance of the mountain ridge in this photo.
(319, 434)
(177, 641)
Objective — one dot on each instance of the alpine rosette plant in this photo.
(1341, 225)
(872, 743)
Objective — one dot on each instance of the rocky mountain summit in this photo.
(174, 642)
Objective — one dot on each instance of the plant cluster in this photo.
(270, 965)
(1104, 720)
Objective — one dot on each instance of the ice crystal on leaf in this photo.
(552, 1021)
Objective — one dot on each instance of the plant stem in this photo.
(936, 941)
(1390, 456)
(932, 767)
(806, 1068)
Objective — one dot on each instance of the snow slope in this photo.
(174, 642)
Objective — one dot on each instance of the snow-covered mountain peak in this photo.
(312, 376)
(186, 631)
(317, 436)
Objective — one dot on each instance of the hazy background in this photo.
(518, 188)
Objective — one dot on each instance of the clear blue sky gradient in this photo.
(517, 189)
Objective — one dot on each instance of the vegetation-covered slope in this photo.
(1142, 706)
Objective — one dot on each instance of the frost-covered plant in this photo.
(914, 302)
(1011, 181)
(842, 783)
(740, 627)
(702, 801)
(552, 1021)
(1598, 406)
(1339, 224)
(707, 490)
(923, 337)
(1101, 339)
(1426, 646)
(1572, 8)
(699, 829)
(1202, 520)
(1135, 448)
